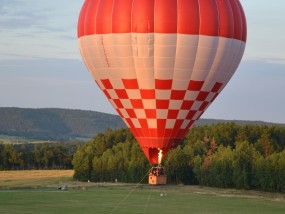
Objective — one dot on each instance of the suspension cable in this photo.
(148, 199)
(129, 193)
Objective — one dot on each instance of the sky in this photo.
(41, 66)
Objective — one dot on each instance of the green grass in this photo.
(125, 199)
(31, 179)
(9, 139)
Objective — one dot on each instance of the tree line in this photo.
(224, 155)
(110, 156)
(36, 156)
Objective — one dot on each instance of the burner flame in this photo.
(159, 156)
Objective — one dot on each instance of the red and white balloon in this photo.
(161, 63)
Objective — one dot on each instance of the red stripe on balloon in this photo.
(244, 27)
(104, 17)
(165, 16)
(238, 28)
(209, 20)
(81, 19)
(188, 17)
(223, 18)
(87, 18)
(226, 19)
(121, 16)
(143, 16)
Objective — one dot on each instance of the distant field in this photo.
(124, 198)
(11, 139)
(7, 139)
(34, 178)
(20, 140)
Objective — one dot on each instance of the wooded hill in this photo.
(55, 124)
(66, 124)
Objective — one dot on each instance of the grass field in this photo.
(33, 178)
(9, 139)
(123, 198)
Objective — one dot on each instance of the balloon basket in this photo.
(157, 176)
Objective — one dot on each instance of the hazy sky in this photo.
(40, 63)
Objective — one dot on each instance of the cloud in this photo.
(45, 28)
(29, 15)
(15, 9)
(5, 5)
(275, 60)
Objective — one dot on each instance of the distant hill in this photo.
(65, 124)
(54, 124)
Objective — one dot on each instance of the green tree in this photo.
(178, 169)
(270, 172)
(46, 155)
(221, 170)
(264, 144)
(37, 157)
(138, 164)
(11, 159)
(197, 169)
(81, 164)
(1, 157)
(244, 156)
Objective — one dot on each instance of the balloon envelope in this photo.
(161, 63)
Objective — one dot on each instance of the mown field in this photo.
(31, 179)
(37, 192)
(9, 139)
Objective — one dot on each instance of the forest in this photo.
(37, 156)
(224, 155)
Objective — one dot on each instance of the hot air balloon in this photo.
(161, 63)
